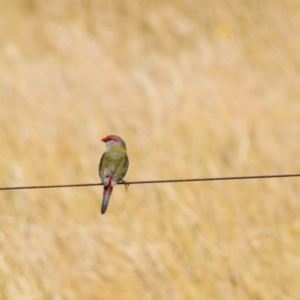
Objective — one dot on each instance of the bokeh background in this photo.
(196, 89)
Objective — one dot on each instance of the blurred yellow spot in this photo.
(258, 60)
(224, 31)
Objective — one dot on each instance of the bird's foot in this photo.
(126, 184)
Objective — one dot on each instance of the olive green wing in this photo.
(114, 163)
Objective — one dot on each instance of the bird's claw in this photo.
(126, 184)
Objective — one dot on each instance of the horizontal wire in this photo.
(127, 183)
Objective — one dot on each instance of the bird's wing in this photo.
(113, 163)
(104, 169)
(125, 168)
(121, 168)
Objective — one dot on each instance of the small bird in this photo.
(113, 166)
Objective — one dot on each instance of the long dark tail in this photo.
(106, 195)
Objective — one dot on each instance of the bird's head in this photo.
(113, 140)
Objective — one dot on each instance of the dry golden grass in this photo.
(196, 89)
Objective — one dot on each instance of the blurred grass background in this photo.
(196, 89)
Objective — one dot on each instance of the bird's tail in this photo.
(106, 195)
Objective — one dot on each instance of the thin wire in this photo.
(127, 183)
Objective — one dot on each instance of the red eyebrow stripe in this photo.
(113, 138)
